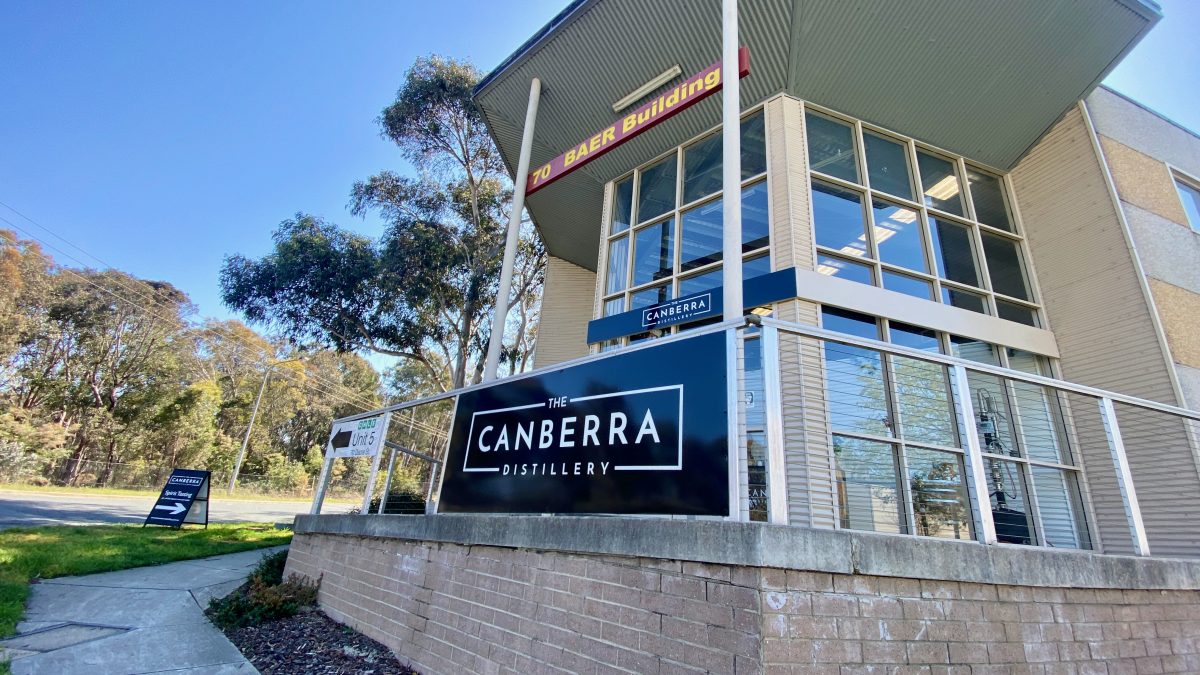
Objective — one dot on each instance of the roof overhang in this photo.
(982, 79)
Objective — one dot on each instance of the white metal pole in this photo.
(366, 507)
(322, 480)
(975, 470)
(731, 162)
(514, 232)
(1129, 498)
(237, 466)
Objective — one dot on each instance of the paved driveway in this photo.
(29, 509)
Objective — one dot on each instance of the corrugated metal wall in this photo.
(567, 305)
(1096, 305)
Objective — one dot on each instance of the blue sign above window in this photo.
(756, 291)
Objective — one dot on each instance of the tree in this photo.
(423, 291)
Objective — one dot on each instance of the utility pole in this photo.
(237, 466)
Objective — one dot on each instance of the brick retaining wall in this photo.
(452, 608)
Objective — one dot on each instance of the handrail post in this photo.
(1116, 447)
(983, 501)
(773, 410)
(733, 391)
(366, 507)
(387, 482)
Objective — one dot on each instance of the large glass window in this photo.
(831, 147)
(935, 226)
(676, 244)
(899, 446)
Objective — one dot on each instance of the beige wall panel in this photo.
(810, 467)
(1143, 181)
(566, 309)
(1087, 275)
(1096, 304)
(1179, 310)
(1168, 252)
(1144, 130)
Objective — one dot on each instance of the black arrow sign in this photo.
(184, 499)
(341, 439)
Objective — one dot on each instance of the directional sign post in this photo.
(184, 499)
(356, 438)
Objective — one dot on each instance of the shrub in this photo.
(264, 597)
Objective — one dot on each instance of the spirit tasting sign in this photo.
(641, 432)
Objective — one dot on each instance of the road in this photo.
(29, 509)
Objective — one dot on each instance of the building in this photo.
(962, 404)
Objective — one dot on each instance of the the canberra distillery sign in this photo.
(642, 432)
(684, 95)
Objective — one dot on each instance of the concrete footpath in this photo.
(142, 620)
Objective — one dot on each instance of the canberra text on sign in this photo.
(691, 91)
(640, 432)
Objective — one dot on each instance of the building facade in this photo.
(992, 274)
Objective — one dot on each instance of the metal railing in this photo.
(836, 431)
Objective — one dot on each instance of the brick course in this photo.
(452, 608)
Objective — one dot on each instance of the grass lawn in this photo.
(59, 551)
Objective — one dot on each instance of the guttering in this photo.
(568, 14)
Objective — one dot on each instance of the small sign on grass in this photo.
(184, 499)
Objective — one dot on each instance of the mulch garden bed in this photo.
(311, 642)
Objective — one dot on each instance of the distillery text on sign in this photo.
(639, 432)
(691, 91)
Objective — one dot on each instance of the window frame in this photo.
(925, 214)
(1182, 179)
(1025, 463)
(678, 275)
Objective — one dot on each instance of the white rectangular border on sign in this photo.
(679, 433)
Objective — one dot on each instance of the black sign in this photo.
(640, 432)
(184, 499)
(756, 291)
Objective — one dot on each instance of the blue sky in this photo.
(161, 136)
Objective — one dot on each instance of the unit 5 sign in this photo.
(357, 438)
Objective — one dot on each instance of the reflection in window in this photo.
(756, 227)
(1060, 508)
(702, 161)
(622, 205)
(650, 296)
(841, 268)
(838, 218)
(656, 192)
(702, 169)
(898, 236)
(854, 377)
(831, 147)
(618, 265)
(988, 199)
(614, 306)
(1010, 508)
(756, 266)
(701, 282)
(1190, 196)
(866, 483)
(1005, 268)
(964, 300)
(939, 497)
(654, 252)
(939, 183)
(887, 166)
(1018, 313)
(701, 239)
(953, 252)
(902, 283)
(921, 389)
